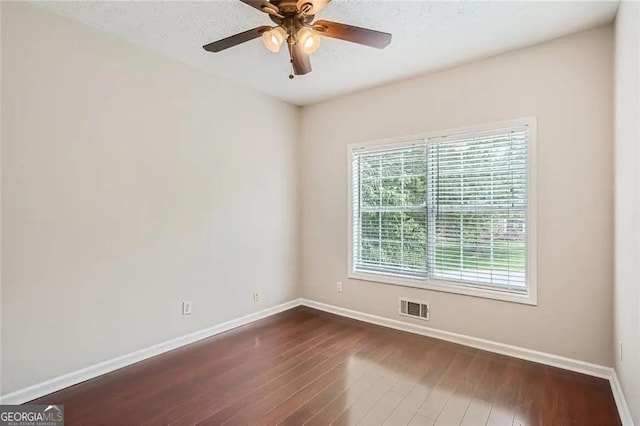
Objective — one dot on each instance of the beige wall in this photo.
(130, 183)
(627, 203)
(567, 84)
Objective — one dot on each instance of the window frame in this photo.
(528, 298)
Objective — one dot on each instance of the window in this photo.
(449, 211)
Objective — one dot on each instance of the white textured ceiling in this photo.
(427, 35)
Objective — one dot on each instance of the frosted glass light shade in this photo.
(274, 38)
(309, 40)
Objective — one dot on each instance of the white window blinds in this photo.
(477, 209)
(451, 209)
(389, 210)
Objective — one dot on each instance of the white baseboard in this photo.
(490, 346)
(621, 402)
(73, 378)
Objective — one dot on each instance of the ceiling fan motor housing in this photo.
(290, 7)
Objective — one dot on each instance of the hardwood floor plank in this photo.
(339, 404)
(394, 370)
(363, 405)
(512, 386)
(529, 404)
(363, 368)
(233, 368)
(477, 413)
(456, 408)
(439, 396)
(492, 377)
(238, 369)
(351, 409)
(346, 399)
(312, 406)
(601, 408)
(284, 385)
(342, 372)
(420, 420)
(309, 367)
(434, 365)
(407, 408)
(382, 409)
(211, 397)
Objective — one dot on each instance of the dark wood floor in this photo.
(308, 367)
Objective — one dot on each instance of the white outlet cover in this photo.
(186, 308)
(620, 350)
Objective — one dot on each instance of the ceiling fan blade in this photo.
(353, 34)
(300, 60)
(261, 5)
(234, 40)
(316, 6)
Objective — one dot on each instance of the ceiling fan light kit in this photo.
(294, 25)
(309, 40)
(274, 38)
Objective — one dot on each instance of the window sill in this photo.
(448, 287)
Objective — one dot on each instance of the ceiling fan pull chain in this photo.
(291, 76)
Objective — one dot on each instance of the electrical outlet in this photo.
(256, 297)
(339, 286)
(186, 308)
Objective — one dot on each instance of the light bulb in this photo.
(274, 38)
(309, 40)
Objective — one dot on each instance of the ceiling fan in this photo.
(295, 26)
